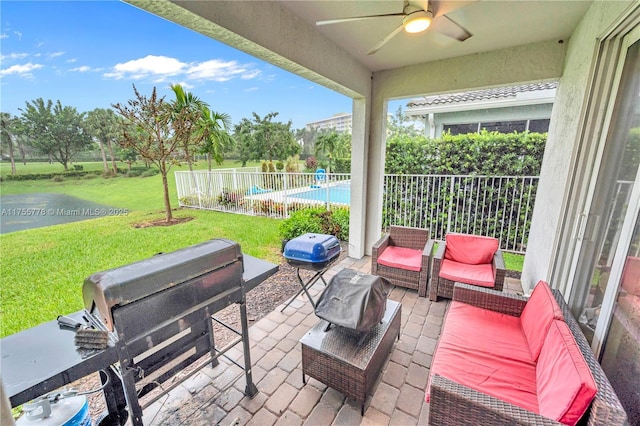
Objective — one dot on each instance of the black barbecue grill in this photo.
(160, 313)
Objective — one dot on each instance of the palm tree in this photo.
(186, 115)
(332, 144)
(8, 129)
(217, 140)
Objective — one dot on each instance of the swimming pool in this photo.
(338, 194)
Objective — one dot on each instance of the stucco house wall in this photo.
(563, 145)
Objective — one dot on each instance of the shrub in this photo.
(78, 167)
(279, 166)
(58, 178)
(134, 173)
(311, 163)
(316, 220)
(149, 172)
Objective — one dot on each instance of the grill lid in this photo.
(129, 283)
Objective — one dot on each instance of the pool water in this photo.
(339, 194)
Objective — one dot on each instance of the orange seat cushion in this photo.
(536, 317)
(565, 383)
(480, 275)
(491, 357)
(470, 249)
(402, 258)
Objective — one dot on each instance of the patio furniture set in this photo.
(501, 358)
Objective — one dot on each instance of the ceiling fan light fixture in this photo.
(417, 21)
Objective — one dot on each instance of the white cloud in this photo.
(157, 67)
(250, 89)
(4, 35)
(83, 68)
(54, 55)
(21, 70)
(19, 34)
(160, 68)
(218, 70)
(72, 60)
(14, 56)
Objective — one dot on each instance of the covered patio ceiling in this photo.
(284, 32)
(493, 24)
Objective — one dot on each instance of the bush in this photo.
(279, 166)
(149, 172)
(134, 173)
(316, 220)
(311, 163)
(58, 178)
(78, 167)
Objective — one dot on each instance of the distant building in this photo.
(340, 122)
(503, 109)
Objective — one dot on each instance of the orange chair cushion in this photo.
(565, 383)
(470, 249)
(481, 275)
(631, 276)
(492, 356)
(402, 258)
(541, 309)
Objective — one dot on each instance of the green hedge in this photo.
(58, 175)
(472, 155)
(485, 153)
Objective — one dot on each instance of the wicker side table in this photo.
(336, 358)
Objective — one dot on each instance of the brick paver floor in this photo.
(215, 395)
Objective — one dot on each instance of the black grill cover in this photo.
(354, 300)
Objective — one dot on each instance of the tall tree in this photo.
(215, 130)
(264, 138)
(9, 127)
(308, 138)
(148, 132)
(332, 145)
(57, 131)
(105, 127)
(186, 114)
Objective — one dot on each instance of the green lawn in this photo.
(43, 269)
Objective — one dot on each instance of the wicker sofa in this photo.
(550, 369)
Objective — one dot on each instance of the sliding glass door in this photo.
(610, 315)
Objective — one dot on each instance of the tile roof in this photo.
(478, 95)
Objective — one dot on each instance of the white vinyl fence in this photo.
(498, 206)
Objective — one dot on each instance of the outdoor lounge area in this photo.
(215, 396)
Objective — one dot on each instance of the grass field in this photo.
(43, 269)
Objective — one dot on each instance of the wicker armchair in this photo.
(416, 239)
(443, 285)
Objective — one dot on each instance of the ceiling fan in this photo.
(417, 16)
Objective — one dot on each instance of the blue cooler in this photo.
(312, 251)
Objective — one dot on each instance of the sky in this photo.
(89, 54)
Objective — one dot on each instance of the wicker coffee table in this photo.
(336, 358)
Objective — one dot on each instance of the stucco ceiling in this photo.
(493, 24)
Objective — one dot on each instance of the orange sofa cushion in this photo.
(492, 356)
(481, 275)
(565, 384)
(401, 257)
(470, 249)
(541, 309)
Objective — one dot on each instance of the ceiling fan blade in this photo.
(385, 40)
(442, 7)
(444, 25)
(356, 18)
